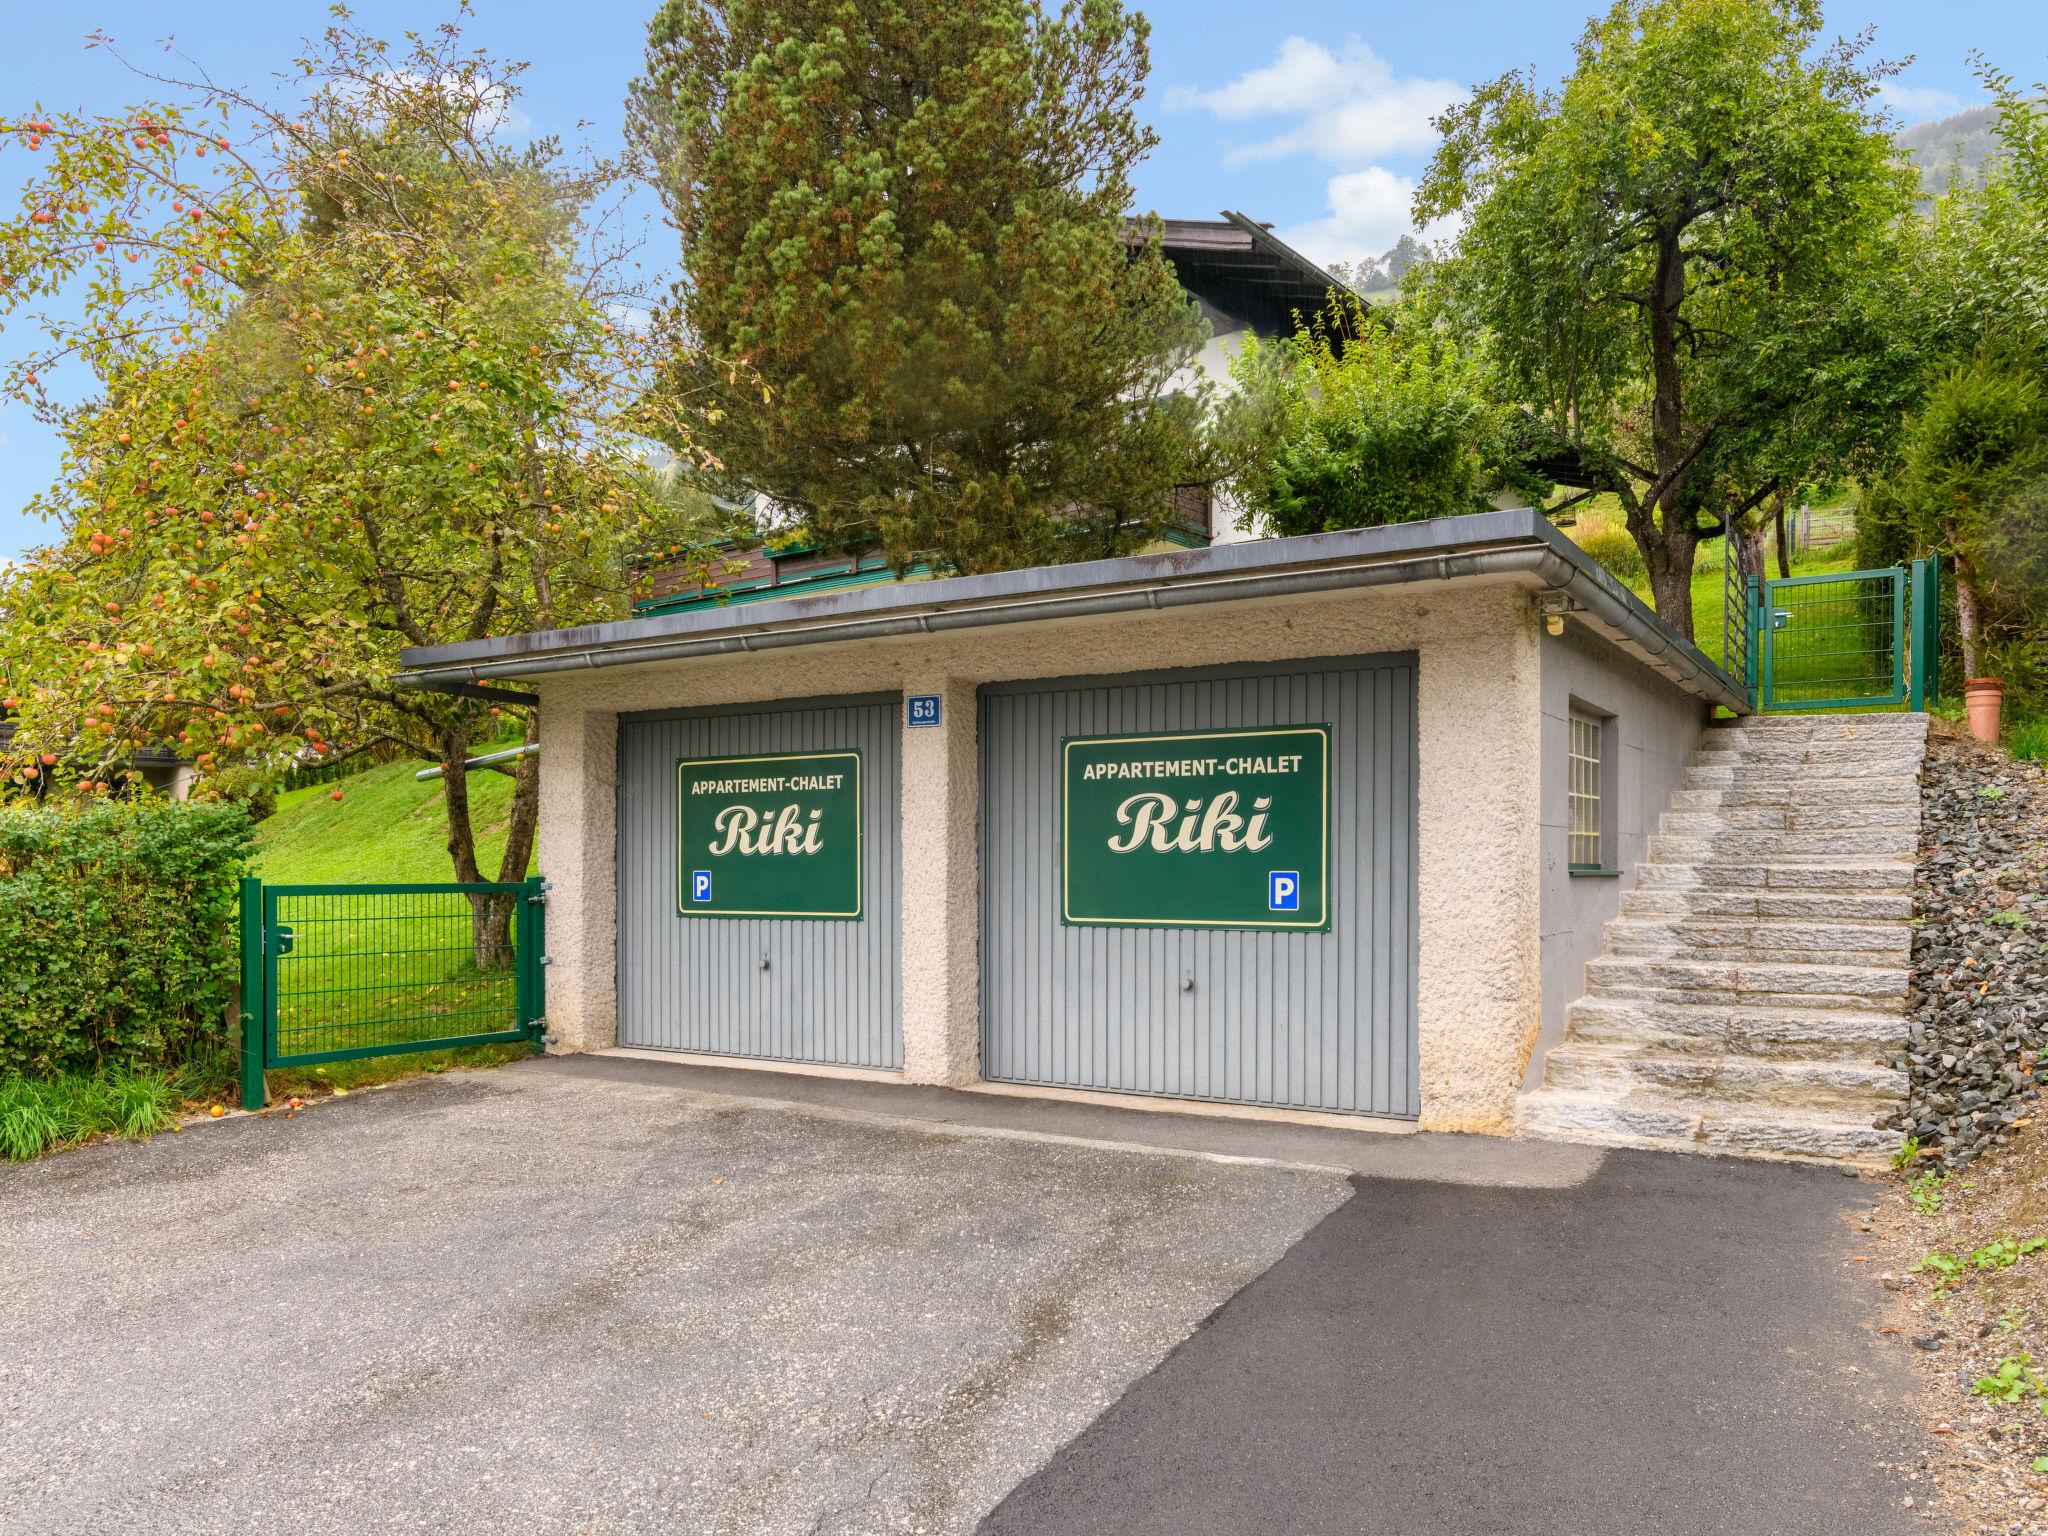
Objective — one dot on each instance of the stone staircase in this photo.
(1756, 976)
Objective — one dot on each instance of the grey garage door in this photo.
(1321, 1020)
(817, 989)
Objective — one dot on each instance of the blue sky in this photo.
(1313, 115)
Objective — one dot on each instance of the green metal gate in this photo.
(337, 972)
(1845, 640)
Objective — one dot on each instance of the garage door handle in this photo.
(764, 959)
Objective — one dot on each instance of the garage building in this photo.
(1284, 825)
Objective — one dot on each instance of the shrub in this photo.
(254, 790)
(1614, 547)
(118, 934)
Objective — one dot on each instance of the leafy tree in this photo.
(1972, 483)
(1371, 424)
(904, 221)
(1972, 476)
(349, 386)
(1985, 276)
(1687, 257)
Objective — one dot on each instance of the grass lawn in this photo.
(1598, 526)
(379, 969)
(386, 827)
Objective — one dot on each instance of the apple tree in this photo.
(333, 376)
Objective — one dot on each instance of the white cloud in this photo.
(1368, 213)
(1917, 103)
(1347, 106)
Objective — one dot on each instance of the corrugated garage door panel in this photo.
(830, 991)
(1322, 1021)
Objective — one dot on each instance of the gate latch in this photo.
(281, 940)
(1780, 618)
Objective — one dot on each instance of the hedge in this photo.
(118, 933)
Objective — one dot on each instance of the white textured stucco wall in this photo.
(1479, 682)
(1657, 728)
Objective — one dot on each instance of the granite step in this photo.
(1748, 1029)
(1836, 1087)
(1671, 903)
(1661, 1124)
(1877, 945)
(1782, 983)
(1845, 876)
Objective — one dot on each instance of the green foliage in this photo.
(1687, 257)
(1972, 483)
(914, 317)
(38, 1115)
(1925, 1192)
(1372, 424)
(1607, 540)
(1905, 1152)
(118, 923)
(1946, 1268)
(253, 789)
(2006, 1251)
(2029, 741)
(349, 384)
(2015, 1381)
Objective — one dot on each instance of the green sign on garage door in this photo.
(769, 835)
(1197, 829)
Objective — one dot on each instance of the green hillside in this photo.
(1949, 147)
(385, 827)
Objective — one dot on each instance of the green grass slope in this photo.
(385, 827)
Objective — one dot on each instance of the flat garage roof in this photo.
(1520, 544)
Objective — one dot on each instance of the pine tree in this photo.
(913, 310)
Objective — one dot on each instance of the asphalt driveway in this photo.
(531, 1300)
(588, 1296)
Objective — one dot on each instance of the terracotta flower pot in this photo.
(1983, 699)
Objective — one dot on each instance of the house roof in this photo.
(1520, 544)
(1242, 268)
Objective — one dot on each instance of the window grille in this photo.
(1583, 793)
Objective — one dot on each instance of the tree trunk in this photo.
(1664, 524)
(490, 916)
(1671, 590)
(1967, 622)
(495, 914)
(1668, 552)
(1778, 520)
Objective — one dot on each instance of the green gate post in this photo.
(1753, 587)
(1927, 632)
(1916, 693)
(530, 982)
(253, 1093)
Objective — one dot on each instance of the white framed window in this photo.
(1583, 788)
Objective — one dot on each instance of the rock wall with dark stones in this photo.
(1979, 999)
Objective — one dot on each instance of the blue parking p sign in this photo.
(1283, 890)
(921, 709)
(700, 885)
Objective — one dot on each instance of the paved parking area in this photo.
(537, 1300)
(616, 1296)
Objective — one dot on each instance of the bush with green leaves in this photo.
(1371, 425)
(253, 789)
(118, 934)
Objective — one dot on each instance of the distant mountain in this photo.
(1949, 148)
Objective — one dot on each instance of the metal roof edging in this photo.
(1619, 618)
